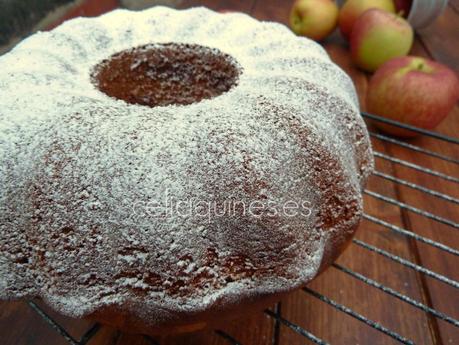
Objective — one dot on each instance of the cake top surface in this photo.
(90, 170)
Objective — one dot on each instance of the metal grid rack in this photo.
(276, 314)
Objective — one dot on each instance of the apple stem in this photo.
(297, 20)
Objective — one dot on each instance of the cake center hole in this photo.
(165, 74)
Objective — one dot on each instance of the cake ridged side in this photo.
(79, 169)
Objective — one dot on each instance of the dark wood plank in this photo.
(237, 5)
(256, 329)
(16, 319)
(454, 5)
(272, 10)
(214, 5)
(19, 324)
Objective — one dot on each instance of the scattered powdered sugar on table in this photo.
(83, 174)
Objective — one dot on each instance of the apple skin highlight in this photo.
(412, 90)
(378, 36)
(353, 9)
(315, 19)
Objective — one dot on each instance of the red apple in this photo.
(315, 19)
(378, 36)
(352, 9)
(412, 90)
(403, 7)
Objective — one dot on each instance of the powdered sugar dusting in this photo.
(83, 174)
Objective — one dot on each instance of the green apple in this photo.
(412, 90)
(378, 36)
(315, 19)
(353, 9)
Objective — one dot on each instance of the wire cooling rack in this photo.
(276, 314)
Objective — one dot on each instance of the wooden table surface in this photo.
(20, 325)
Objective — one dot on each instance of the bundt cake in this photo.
(160, 168)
